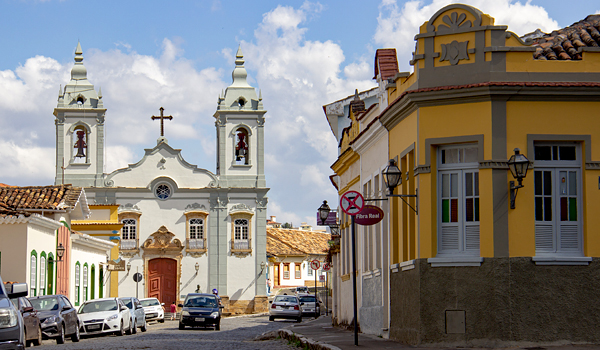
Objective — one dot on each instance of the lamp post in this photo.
(324, 212)
(60, 251)
(392, 176)
(518, 165)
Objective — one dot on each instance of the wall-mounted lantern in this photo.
(60, 251)
(518, 165)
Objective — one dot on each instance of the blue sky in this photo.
(179, 55)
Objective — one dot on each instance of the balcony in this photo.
(196, 243)
(241, 246)
(128, 244)
(196, 247)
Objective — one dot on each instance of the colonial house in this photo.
(290, 252)
(496, 140)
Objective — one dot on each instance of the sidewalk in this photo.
(320, 334)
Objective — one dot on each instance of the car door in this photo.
(69, 314)
(125, 314)
(139, 312)
(31, 320)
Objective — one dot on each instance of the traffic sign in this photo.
(321, 278)
(315, 264)
(326, 267)
(137, 277)
(352, 202)
(370, 215)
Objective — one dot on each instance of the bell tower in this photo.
(79, 130)
(240, 132)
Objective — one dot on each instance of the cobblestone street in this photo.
(236, 333)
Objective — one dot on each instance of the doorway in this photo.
(276, 275)
(162, 280)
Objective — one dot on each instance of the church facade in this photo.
(183, 228)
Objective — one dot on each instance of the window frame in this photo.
(33, 270)
(192, 244)
(77, 282)
(131, 246)
(43, 274)
(237, 245)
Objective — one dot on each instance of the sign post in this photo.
(353, 203)
(326, 268)
(137, 277)
(315, 264)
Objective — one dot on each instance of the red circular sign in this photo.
(352, 202)
(370, 215)
(326, 267)
(315, 264)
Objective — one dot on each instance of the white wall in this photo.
(92, 256)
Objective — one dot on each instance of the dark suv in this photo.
(57, 316)
(11, 322)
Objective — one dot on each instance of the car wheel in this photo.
(181, 325)
(218, 326)
(75, 336)
(38, 341)
(121, 331)
(271, 318)
(161, 320)
(27, 342)
(145, 326)
(299, 319)
(129, 330)
(61, 335)
(134, 329)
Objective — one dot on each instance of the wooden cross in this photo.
(162, 118)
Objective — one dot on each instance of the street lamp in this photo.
(392, 176)
(128, 267)
(60, 251)
(324, 212)
(518, 165)
(197, 267)
(262, 266)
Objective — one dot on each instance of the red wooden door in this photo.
(162, 280)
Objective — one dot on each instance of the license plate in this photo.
(95, 326)
(199, 319)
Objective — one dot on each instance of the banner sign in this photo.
(331, 218)
(370, 215)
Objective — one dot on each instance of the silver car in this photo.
(285, 306)
(310, 305)
(136, 310)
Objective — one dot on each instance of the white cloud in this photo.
(26, 163)
(397, 25)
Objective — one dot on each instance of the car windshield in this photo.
(127, 303)
(286, 299)
(308, 299)
(44, 304)
(99, 306)
(203, 301)
(149, 302)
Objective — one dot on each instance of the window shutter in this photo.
(449, 238)
(472, 238)
(543, 239)
(569, 237)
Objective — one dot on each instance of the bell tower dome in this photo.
(79, 129)
(240, 119)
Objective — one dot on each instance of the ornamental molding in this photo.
(454, 52)
(493, 164)
(129, 208)
(195, 207)
(163, 243)
(592, 165)
(240, 208)
(454, 23)
(262, 203)
(422, 169)
(219, 203)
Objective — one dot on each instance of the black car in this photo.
(11, 321)
(31, 321)
(58, 317)
(200, 310)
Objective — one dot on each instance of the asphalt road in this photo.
(236, 333)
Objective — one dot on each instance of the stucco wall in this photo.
(505, 300)
(371, 311)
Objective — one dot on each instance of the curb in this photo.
(306, 342)
(248, 315)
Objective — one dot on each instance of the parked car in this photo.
(200, 309)
(136, 310)
(153, 309)
(301, 290)
(31, 321)
(12, 335)
(310, 305)
(58, 317)
(285, 306)
(106, 315)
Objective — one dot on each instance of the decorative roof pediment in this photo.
(241, 208)
(196, 207)
(129, 208)
(455, 18)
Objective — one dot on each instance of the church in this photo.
(178, 228)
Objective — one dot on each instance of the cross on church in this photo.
(162, 118)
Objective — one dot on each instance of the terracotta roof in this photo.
(39, 197)
(386, 63)
(567, 43)
(6, 211)
(282, 241)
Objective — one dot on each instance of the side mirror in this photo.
(16, 290)
(180, 305)
(66, 307)
(28, 309)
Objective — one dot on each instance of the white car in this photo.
(153, 309)
(107, 315)
(138, 315)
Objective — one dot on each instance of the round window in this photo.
(163, 191)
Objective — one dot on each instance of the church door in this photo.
(276, 275)
(162, 280)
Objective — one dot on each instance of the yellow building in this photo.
(466, 267)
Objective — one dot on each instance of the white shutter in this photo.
(569, 237)
(543, 239)
(472, 238)
(449, 238)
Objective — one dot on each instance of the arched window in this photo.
(93, 282)
(43, 274)
(129, 234)
(242, 149)
(241, 234)
(196, 233)
(77, 280)
(80, 142)
(85, 281)
(33, 273)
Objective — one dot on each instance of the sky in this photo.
(180, 55)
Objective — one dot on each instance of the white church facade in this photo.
(181, 227)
